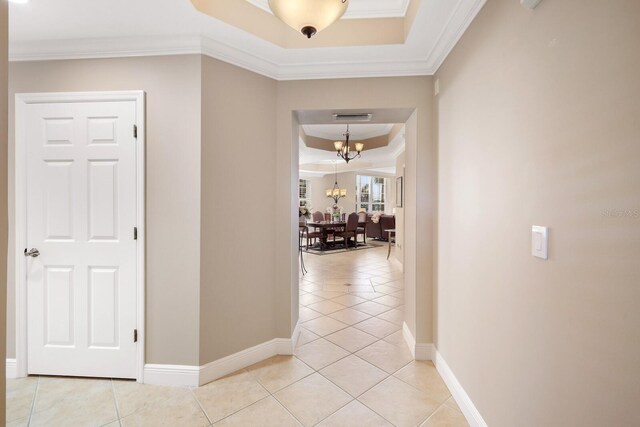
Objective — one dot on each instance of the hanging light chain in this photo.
(344, 150)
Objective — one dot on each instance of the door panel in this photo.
(81, 212)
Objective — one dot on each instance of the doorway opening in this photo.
(352, 295)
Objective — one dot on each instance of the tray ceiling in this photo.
(69, 29)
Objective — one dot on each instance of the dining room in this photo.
(349, 205)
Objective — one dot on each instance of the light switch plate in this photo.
(539, 241)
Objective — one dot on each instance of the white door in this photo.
(81, 214)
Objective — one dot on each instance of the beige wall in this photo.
(220, 153)
(172, 85)
(237, 299)
(4, 71)
(539, 124)
(401, 92)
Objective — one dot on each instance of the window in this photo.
(304, 192)
(371, 193)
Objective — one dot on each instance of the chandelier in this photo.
(336, 193)
(308, 16)
(344, 148)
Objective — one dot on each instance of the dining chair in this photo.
(314, 233)
(349, 230)
(362, 219)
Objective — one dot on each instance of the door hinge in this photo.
(135, 131)
(135, 233)
(135, 335)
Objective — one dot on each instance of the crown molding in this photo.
(124, 47)
(116, 47)
(112, 47)
(458, 22)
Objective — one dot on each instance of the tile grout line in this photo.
(33, 402)
(382, 339)
(272, 395)
(115, 401)
(339, 409)
(193, 394)
(432, 414)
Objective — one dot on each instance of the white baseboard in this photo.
(463, 400)
(419, 351)
(12, 368)
(221, 367)
(294, 337)
(173, 375)
(193, 376)
(409, 339)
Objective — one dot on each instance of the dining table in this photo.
(327, 228)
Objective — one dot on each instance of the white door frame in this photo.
(22, 100)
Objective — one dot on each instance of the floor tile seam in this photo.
(378, 367)
(326, 366)
(322, 336)
(195, 397)
(374, 385)
(414, 387)
(354, 352)
(386, 305)
(282, 388)
(431, 415)
(392, 374)
(115, 401)
(33, 402)
(351, 400)
(382, 318)
(376, 303)
(382, 338)
(388, 375)
(373, 410)
(457, 407)
(239, 410)
(287, 409)
(236, 411)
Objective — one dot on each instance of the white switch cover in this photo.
(539, 241)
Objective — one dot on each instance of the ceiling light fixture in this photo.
(344, 148)
(336, 193)
(308, 16)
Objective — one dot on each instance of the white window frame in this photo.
(306, 200)
(370, 203)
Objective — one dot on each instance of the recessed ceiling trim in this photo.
(458, 22)
(324, 131)
(144, 46)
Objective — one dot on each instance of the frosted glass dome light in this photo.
(308, 16)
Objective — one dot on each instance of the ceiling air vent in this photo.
(363, 117)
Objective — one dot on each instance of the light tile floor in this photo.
(351, 368)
